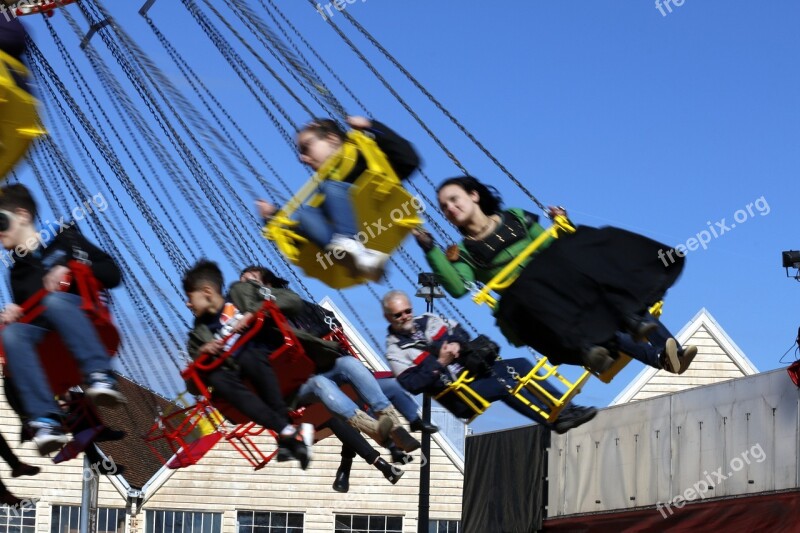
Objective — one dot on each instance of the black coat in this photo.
(578, 291)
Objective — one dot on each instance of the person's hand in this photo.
(265, 209)
(424, 239)
(11, 313)
(448, 353)
(556, 211)
(359, 123)
(243, 323)
(212, 347)
(54, 278)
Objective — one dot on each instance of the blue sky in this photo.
(664, 125)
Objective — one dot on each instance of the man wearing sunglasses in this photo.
(423, 352)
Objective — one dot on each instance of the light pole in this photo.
(429, 290)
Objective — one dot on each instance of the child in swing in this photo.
(332, 226)
(36, 265)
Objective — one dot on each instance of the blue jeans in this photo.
(400, 398)
(492, 390)
(646, 352)
(325, 388)
(335, 215)
(62, 310)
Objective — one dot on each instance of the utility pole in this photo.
(429, 290)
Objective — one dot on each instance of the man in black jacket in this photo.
(38, 263)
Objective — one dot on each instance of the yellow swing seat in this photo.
(385, 212)
(19, 123)
(543, 369)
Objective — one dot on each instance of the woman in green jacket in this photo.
(578, 298)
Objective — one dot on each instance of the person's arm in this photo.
(453, 275)
(418, 375)
(400, 153)
(103, 266)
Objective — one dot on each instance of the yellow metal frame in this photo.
(376, 195)
(19, 122)
(543, 369)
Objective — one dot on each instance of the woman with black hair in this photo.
(577, 299)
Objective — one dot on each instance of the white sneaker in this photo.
(345, 250)
(371, 264)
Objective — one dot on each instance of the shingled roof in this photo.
(136, 418)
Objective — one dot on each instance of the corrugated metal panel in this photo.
(739, 437)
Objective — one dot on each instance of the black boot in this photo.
(403, 439)
(392, 473)
(342, 481)
(638, 327)
(399, 457)
(425, 427)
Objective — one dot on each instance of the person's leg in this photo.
(30, 380)
(7, 453)
(314, 225)
(352, 439)
(400, 398)
(641, 351)
(338, 207)
(229, 386)
(321, 388)
(254, 364)
(80, 337)
(350, 370)
(76, 330)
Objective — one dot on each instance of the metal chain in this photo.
(444, 110)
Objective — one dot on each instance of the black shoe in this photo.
(638, 327)
(425, 427)
(597, 359)
(392, 473)
(24, 469)
(298, 444)
(572, 417)
(403, 439)
(342, 481)
(399, 457)
(108, 434)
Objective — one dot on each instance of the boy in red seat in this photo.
(218, 318)
(39, 263)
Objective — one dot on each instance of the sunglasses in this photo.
(403, 312)
(5, 220)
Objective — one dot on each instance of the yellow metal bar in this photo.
(503, 279)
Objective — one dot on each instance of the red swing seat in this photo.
(61, 368)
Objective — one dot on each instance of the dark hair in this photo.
(204, 272)
(17, 197)
(489, 199)
(322, 127)
(266, 276)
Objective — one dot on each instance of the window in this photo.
(183, 522)
(444, 526)
(269, 522)
(18, 520)
(66, 519)
(356, 523)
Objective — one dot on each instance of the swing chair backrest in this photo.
(19, 124)
(385, 212)
(60, 366)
